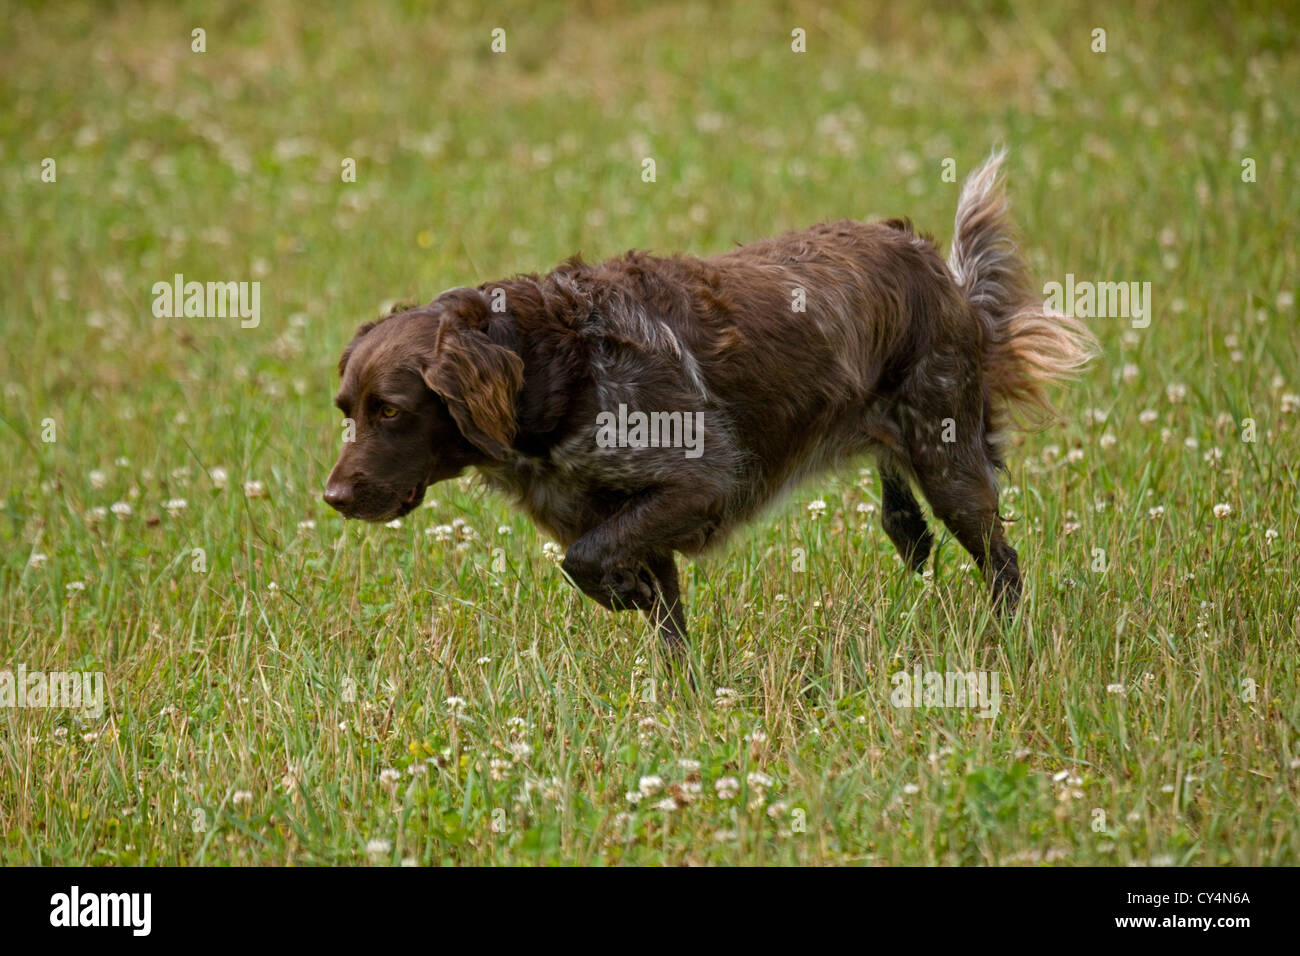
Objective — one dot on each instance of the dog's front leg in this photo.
(624, 581)
(627, 562)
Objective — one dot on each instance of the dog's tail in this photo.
(1026, 346)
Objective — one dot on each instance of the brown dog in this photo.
(649, 405)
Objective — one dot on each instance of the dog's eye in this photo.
(389, 411)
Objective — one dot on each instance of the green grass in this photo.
(308, 660)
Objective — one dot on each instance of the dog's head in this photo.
(428, 393)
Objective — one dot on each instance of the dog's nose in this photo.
(338, 495)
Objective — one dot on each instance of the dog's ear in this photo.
(477, 378)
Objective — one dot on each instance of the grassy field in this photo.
(282, 687)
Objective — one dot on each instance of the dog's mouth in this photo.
(398, 506)
(414, 495)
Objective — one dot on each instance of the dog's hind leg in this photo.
(900, 516)
(957, 478)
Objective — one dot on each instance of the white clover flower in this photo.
(911, 788)
(394, 524)
(817, 508)
(758, 780)
(1074, 454)
(1156, 513)
(121, 509)
(1116, 689)
(1290, 403)
(552, 552)
(1176, 392)
(1270, 534)
(389, 777)
(442, 532)
(175, 506)
(725, 697)
(219, 476)
(37, 560)
(377, 848)
(307, 525)
(1107, 440)
(241, 798)
(96, 515)
(668, 804)
(1222, 510)
(75, 586)
(254, 489)
(504, 529)
(650, 785)
(688, 766)
(520, 750)
(98, 479)
(727, 788)
(458, 705)
(1147, 416)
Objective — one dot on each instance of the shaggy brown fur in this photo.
(801, 352)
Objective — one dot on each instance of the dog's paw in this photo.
(628, 588)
